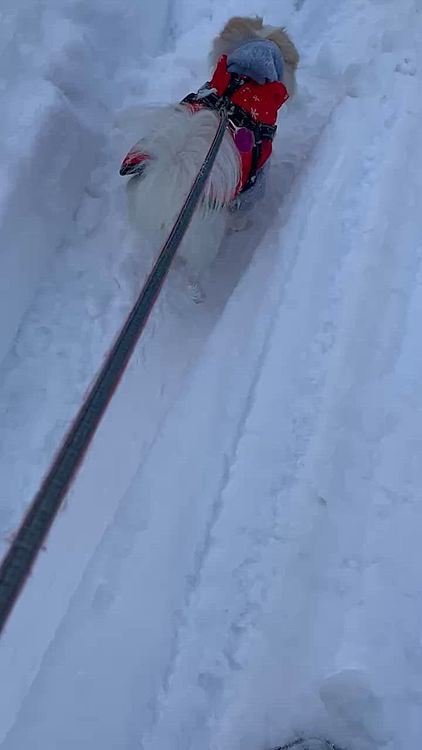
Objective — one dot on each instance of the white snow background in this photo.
(239, 559)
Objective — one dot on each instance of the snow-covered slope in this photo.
(238, 561)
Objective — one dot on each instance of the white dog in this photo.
(255, 70)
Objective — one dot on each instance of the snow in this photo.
(238, 560)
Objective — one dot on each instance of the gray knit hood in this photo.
(259, 59)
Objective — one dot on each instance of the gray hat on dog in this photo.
(259, 59)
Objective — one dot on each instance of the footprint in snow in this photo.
(407, 67)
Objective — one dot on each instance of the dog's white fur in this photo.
(178, 141)
(178, 148)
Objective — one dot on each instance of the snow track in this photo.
(238, 561)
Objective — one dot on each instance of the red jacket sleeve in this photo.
(221, 76)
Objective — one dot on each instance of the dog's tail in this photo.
(177, 144)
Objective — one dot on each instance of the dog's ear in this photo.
(243, 26)
(237, 30)
(281, 38)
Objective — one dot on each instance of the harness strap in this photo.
(237, 118)
(236, 82)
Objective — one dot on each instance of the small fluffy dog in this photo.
(254, 72)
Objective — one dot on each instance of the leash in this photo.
(30, 537)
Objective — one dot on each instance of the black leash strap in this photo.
(31, 535)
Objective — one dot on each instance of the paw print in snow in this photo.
(406, 68)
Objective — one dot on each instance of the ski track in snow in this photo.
(257, 576)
